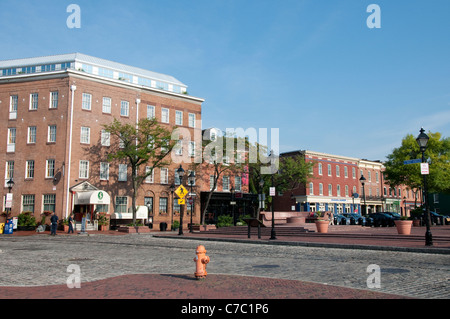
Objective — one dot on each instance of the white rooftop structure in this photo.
(93, 65)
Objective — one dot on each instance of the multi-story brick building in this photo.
(336, 185)
(52, 114)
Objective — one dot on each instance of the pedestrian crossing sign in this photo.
(181, 191)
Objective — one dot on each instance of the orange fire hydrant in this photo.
(200, 262)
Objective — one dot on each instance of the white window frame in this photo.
(124, 108)
(150, 178)
(31, 136)
(85, 135)
(165, 115)
(178, 118)
(151, 112)
(86, 101)
(51, 134)
(105, 138)
(123, 174)
(29, 169)
(83, 170)
(34, 101)
(11, 141)
(104, 171)
(164, 175)
(13, 105)
(191, 120)
(50, 168)
(53, 103)
(106, 105)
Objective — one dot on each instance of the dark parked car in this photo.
(436, 218)
(339, 219)
(356, 219)
(394, 215)
(381, 219)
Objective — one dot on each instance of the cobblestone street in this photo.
(43, 260)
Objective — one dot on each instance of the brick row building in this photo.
(52, 112)
(336, 186)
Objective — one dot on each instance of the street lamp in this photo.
(422, 141)
(10, 184)
(404, 200)
(172, 189)
(363, 181)
(232, 204)
(180, 172)
(191, 181)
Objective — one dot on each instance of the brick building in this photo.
(54, 145)
(335, 182)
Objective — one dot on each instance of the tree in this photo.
(144, 146)
(287, 172)
(438, 155)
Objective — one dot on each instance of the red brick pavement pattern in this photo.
(153, 286)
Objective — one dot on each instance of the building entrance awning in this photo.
(96, 197)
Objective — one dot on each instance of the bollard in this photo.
(200, 262)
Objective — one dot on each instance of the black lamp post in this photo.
(191, 181)
(10, 184)
(172, 189)
(232, 203)
(422, 141)
(363, 181)
(404, 200)
(180, 172)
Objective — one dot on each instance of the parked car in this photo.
(339, 219)
(436, 218)
(394, 215)
(356, 219)
(381, 219)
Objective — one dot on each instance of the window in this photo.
(34, 99)
(50, 168)
(329, 169)
(14, 101)
(354, 190)
(311, 188)
(338, 173)
(377, 177)
(178, 118)
(148, 202)
(192, 148)
(353, 172)
(346, 190)
(369, 175)
(11, 147)
(191, 120)
(150, 112)
(178, 148)
(49, 202)
(84, 169)
(31, 139)
(163, 205)
(106, 138)
(320, 168)
(124, 108)
(121, 204)
(9, 172)
(338, 190)
(330, 190)
(226, 183)
(51, 138)
(28, 203)
(321, 189)
(122, 172)
(164, 115)
(85, 135)
(149, 178)
(176, 177)
(104, 171)
(86, 101)
(53, 100)
(164, 176)
(345, 171)
(29, 169)
(237, 183)
(106, 106)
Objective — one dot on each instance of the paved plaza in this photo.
(164, 267)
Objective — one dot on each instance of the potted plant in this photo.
(103, 222)
(65, 224)
(26, 221)
(321, 222)
(175, 225)
(403, 225)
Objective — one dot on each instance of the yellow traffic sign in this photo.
(181, 201)
(181, 191)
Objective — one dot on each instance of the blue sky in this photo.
(312, 68)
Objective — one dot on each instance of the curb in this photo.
(443, 251)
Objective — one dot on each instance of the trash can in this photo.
(9, 227)
(163, 226)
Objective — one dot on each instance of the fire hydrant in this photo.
(200, 262)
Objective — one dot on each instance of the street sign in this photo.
(9, 199)
(272, 191)
(190, 201)
(181, 191)
(424, 169)
(181, 201)
(413, 161)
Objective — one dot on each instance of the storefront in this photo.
(88, 201)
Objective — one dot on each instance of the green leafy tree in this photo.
(144, 146)
(438, 155)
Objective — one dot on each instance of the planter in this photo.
(103, 227)
(416, 222)
(203, 227)
(322, 226)
(26, 228)
(66, 228)
(403, 226)
(134, 229)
